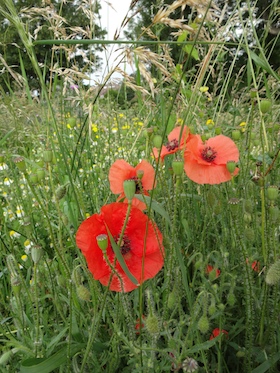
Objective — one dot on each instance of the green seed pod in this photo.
(265, 106)
(20, 163)
(41, 174)
(47, 155)
(178, 167)
(248, 206)
(247, 218)
(218, 130)
(273, 274)
(152, 324)
(272, 192)
(203, 324)
(16, 285)
(129, 187)
(231, 166)
(60, 192)
(236, 135)
(83, 293)
(249, 234)
(33, 178)
(36, 253)
(157, 141)
(273, 213)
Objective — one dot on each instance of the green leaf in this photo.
(157, 207)
(120, 258)
(267, 364)
(2, 141)
(47, 365)
(189, 49)
(262, 62)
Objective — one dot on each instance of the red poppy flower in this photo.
(210, 268)
(141, 246)
(217, 331)
(206, 163)
(173, 144)
(139, 326)
(255, 265)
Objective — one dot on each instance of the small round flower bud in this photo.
(33, 178)
(203, 137)
(139, 174)
(47, 155)
(236, 135)
(273, 213)
(248, 206)
(231, 299)
(265, 106)
(178, 167)
(157, 141)
(231, 166)
(20, 163)
(36, 253)
(249, 234)
(273, 273)
(247, 218)
(60, 192)
(212, 308)
(129, 188)
(152, 324)
(83, 293)
(102, 242)
(203, 324)
(272, 192)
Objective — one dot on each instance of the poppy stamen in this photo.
(172, 145)
(208, 154)
(124, 245)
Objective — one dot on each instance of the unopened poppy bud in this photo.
(249, 234)
(102, 242)
(203, 137)
(83, 293)
(203, 324)
(139, 174)
(273, 274)
(20, 163)
(157, 141)
(152, 324)
(247, 217)
(248, 206)
(172, 300)
(71, 122)
(212, 308)
(231, 165)
(60, 192)
(236, 135)
(272, 192)
(253, 93)
(231, 299)
(36, 253)
(178, 167)
(129, 188)
(265, 106)
(47, 155)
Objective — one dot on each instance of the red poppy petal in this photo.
(225, 147)
(207, 174)
(148, 176)
(118, 173)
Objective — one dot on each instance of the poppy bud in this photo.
(71, 122)
(172, 300)
(102, 242)
(152, 324)
(129, 188)
(203, 137)
(236, 135)
(178, 167)
(212, 308)
(231, 299)
(231, 165)
(83, 293)
(248, 206)
(33, 178)
(253, 93)
(20, 163)
(249, 234)
(60, 192)
(203, 324)
(273, 274)
(234, 205)
(272, 192)
(47, 155)
(247, 217)
(16, 285)
(157, 141)
(265, 106)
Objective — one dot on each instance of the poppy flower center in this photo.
(172, 145)
(124, 245)
(208, 154)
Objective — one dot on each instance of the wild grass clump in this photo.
(188, 282)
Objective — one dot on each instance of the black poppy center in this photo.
(138, 184)
(172, 145)
(124, 244)
(208, 154)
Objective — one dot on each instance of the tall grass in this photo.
(220, 240)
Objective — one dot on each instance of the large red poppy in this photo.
(206, 162)
(141, 246)
(143, 175)
(177, 140)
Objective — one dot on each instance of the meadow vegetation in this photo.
(140, 226)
